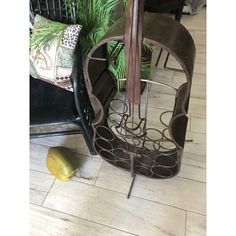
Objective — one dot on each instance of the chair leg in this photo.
(159, 56)
(179, 11)
(178, 15)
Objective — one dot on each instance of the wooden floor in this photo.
(99, 206)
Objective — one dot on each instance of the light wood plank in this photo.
(167, 101)
(38, 156)
(40, 184)
(161, 75)
(120, 181)
(75, 142)
(45, 222)
(198, 124)
(88, 166)
(193, 167)
(197, 91)
(200, 37)
(154, 118)
(173, 63)
(197, 106)
(194, 25)
(198, 79)
(176, 192)
(198, 146)
(161, 101)
(201, 15)
(200, 48)
(200, 68)
(196, 225)
(195, 22)
(163, 90)
(110, 208)
(200, 58)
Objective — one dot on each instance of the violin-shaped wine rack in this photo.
(125, 134)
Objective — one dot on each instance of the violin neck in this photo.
(133, 47)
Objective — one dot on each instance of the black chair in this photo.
(165, 6)
(51, 105)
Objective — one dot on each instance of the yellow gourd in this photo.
(60, 164)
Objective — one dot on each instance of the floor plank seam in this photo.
(82, 154)
(195, 166)
(200, 214)
(55, 178)
(199, 181)
(164, 204)
(94, 184)
(145, 199)
(44, 172)
(87, 220)
(194, 154)
(40, 171)
(35, 204)
(79, 181)
(48, 191)
(149, 200)
(98, 174)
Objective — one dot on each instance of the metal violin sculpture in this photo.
(124, 134)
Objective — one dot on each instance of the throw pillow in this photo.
(51, 51)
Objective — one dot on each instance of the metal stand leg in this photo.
(131, 186)
(133, 175)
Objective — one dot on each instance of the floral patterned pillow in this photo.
(51, 51)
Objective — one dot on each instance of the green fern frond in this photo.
(96, 17)
(46, 32)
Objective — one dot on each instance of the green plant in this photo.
(118, 66)
(46, 30)
(95, 16)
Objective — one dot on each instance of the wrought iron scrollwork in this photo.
(123, 134)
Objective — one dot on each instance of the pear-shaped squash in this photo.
(60, 164)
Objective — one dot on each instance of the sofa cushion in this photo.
(52, 46)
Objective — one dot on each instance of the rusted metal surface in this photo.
(133, 45)
(123, 134)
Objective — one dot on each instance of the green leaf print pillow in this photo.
(52, 46)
